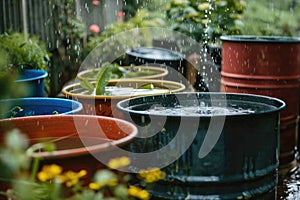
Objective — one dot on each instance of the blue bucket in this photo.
(34, 80)
(23, 107)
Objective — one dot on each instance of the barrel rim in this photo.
(134, 53)
(260, 39)
(260, 77)
(33, 75)
(278, 104)
(54, 102)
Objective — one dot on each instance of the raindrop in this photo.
(143, 119)
(86, 123)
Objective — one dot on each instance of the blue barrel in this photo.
(30, 106)
(33, 79)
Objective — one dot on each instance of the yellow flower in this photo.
(42, 176)
(71, 178)
(204, 6)
(94, 186)
(152, 174)
(117, 163)
(100, 184)
(138, 193)
(144, 194)
(49, 172)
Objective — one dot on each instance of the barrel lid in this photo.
(262, 39)
(155, 53)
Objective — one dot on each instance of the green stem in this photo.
(56, 191)
(35, 168)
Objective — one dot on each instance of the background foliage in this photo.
(204, 20)
(272, 18)
(19, 50)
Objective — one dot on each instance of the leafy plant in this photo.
(18, 52)
(143, 18)
(108, 71)
(155, 6)
(53, 182)
(206, 20)
(9, 88)
(70, 35)
(270, 18)
(102, 78)
(21, 51)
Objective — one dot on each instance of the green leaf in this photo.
(49, 147)
(149, 86)
(121, 192)
(118, 71)
(103, 77)
(87, 85)
(104, 175)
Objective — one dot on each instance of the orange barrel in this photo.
(266, 65)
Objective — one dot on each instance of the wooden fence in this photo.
(35, 17)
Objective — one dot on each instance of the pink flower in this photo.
(94, 28)
(96, 2)
(121, 15)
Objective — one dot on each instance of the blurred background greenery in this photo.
(64, 26)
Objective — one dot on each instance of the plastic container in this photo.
(38, 106)
(34, 81)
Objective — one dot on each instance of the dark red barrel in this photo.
(266, 66)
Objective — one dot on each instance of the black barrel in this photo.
(241, 161)
(157, 55)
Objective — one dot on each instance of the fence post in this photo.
(24, 18)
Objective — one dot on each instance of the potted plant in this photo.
(26, 57)
(117, 90)
(127, 72)
(100, 97)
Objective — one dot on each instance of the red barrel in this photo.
(266, 66)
